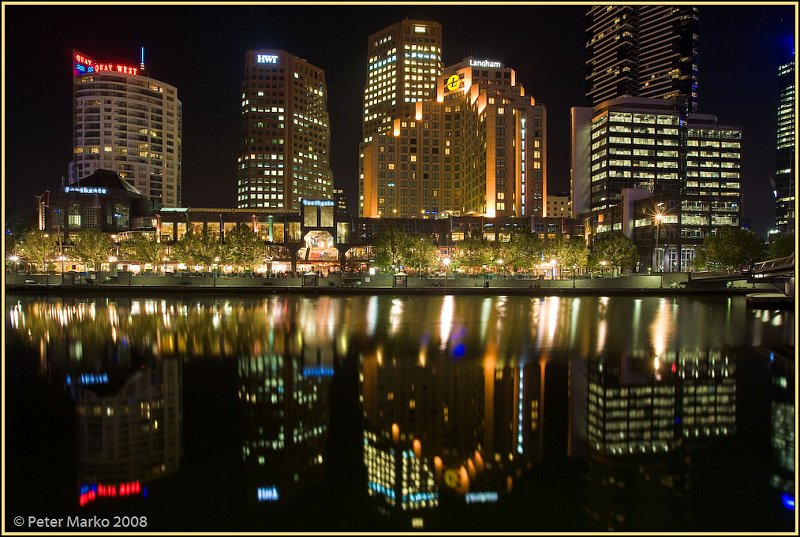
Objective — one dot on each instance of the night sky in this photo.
(200, 50)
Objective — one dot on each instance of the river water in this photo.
(385, 413)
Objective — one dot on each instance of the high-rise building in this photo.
(646, 51)
(690, 163)
(784, 175)
(478, 148)
(404, 60)
(284, 151)
(129, 123)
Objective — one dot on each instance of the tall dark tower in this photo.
(641, 51)
(784, 174)
(284, 151)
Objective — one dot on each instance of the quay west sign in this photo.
(85, 65)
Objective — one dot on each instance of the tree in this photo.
(616, 249)
(244, 247)
(523, 251)
(197, 249)
(781, 246)
(391, 247)
(473, 253)
(143, 249)
(422, 254)
(92, 247)
(729, 249)
(37, 247)
(567, 252)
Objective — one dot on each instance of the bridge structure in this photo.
(770, 271)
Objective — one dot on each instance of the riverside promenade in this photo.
(362, 283)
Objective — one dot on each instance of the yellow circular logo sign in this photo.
(450, 477)
(453, 82)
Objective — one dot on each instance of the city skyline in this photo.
(209, 78)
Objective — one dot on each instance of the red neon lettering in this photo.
(124, 69)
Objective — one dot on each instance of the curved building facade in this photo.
(127, 122)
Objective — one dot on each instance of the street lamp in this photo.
(603, 265)
(62, 258)
(14, 259)
(446, 263)
(658, 217)
(500, 266)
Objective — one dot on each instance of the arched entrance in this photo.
(318, 253)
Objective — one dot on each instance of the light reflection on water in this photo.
(452, 391)
(572, 326)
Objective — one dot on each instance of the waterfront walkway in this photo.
(360, 283)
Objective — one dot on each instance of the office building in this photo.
(689, 164)
(404, 61)
(284, 151)
(479, 148)
(784, 174)
(129, 123)
(646, 51)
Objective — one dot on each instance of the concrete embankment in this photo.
(126, 283)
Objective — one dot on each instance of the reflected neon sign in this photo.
(90, 493)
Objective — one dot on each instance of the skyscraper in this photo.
(284, 150)
(784, 174)
(478, 148)
(127, 122)
(404, 60)
(690, 162)
(645, 51)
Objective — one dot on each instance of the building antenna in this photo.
(141, 65)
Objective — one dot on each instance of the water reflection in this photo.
(460, 399)
(283, 399)
(129, 425)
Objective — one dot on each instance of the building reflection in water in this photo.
(452, 393)
(633, 418)
(284, 404)
(129, 427)
(128, 400)
(782, 426)
(439, 427)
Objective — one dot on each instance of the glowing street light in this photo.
(62, 258)
(446, 263)
(657, 220)
(603, 264)
(14, 259)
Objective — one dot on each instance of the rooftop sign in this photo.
(484, 63)
(83, 65)
(86, 189)
(267, 58)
